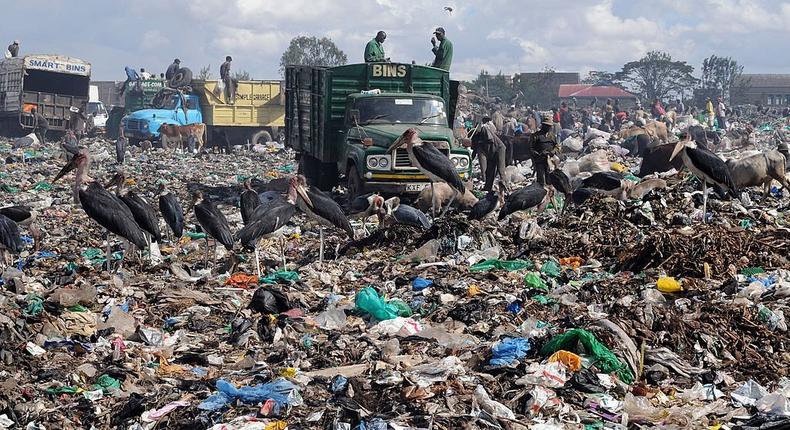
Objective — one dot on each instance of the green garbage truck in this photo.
(341, 121)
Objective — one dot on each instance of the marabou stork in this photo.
(365, 206)
(705, 165)
(525, 198)
(558, 179)
(610, 183)
(321, 208)
(70, 144)
(142, 211)
(581, 195)
(432, 163)
(101, 205)
(488, 204)
(393, 209)
(248, 201)
(268, 221)
(10, 240)
(212, 221)
(24, 216)
(171, 211)
(120, 148)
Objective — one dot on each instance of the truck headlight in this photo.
(378, 162)
(460, 161)
(373, 162)
(463, 162)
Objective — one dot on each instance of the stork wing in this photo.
(713, 166)
(434, 161)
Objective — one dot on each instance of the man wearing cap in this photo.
(543, 143)
(13, 49)
(173, 69)
(444, 52)
(374, 51)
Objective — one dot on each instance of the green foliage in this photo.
(312, 51)
(656, 76)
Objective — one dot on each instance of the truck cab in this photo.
(342, 120)
(144, 124)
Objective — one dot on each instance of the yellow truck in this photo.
(257, 114)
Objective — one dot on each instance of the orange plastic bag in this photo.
(668, 285)
(569, 359)
(242, 280)
(573, 262)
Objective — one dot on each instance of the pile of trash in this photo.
(615, 314)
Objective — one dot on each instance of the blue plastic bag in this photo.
(420, 284)
(508, 350)
(280, 390)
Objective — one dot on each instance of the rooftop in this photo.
(759, 80)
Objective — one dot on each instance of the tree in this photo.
(721, 76)
(537, 89)
(599, 77)
(205, 73)
(493, 85)
(656, 76)
(241, 75)
(312, 51)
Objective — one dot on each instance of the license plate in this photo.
(415, 187)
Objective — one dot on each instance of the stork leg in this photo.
(108, 252)
(257, 261)
(321, 247)
(704, 202)
(433, 202)
(282, 249)
(205, 258)
(452, 199)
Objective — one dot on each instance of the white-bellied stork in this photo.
(212, 221)
(10, 239)
(705, 165)
(268, 221)
(531, 196)
(323, 209)
(394, 210)
(171, 210)
(101, 205)
(142, 211)
(432, 163)
(248, 201)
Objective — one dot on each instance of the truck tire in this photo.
(260, 137)
(318, 174)
(182, 78)
(354, 185)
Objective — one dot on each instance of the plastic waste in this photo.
(570, 360)
(749, 393)
(331, 319)
(280, 391)
(553, 375)
(774, 404)
(550, 268)
(425, 375)
(492, 407)
(509, 350)
(603, 358)
(369, 301)
(397, 326)
(509, 265)
(668, 285)
(420, 284)
(775, 320)
(535, 282)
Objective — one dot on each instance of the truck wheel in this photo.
(182, 78)
(318, 174)
(261, 137)
(354, 183)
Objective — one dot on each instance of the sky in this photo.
(510, 36)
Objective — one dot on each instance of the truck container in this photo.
(342, 120)
(55, 85)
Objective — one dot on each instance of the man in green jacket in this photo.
(443, 52)
(374, 52)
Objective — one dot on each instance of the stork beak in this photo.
(72, 164)
(678, 148)
(397, 143)
(392, 204)
(303, 194)
(116, 180)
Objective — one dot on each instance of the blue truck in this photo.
(144, 124)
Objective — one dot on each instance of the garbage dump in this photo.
(633, 311)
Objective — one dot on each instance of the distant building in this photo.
(108, 93)
(541, 88)
(585, 94)
(762, 89)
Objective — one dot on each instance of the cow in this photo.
(170, 136)
(759, 169)
(180, 133)
(198, 131)
(654, 129)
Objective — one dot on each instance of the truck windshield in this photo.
(399, 110)
(173, 103)
(95, 108)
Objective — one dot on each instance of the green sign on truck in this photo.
(341, 121)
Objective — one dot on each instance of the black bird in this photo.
(404, 214)
(533, 195)
(70, 144)
(24, 216)
(610, 183)
(320, 207)
(212, 221)
(268, 221)
(10, 239)
(171, 211)
(558, 179)
(120, 149)
(707, 166)
(431, 162)
(101, 205)
(142, 211)
(488, 204)
(581, 195)
(248, 201)
(365, 206)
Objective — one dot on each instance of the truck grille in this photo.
(402, 161)
(134, 124)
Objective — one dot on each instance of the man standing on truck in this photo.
(230, 85)
(131, 76)
(13, 49)
(172, 69)
(40, 125)
(443, 54)
(374, 51)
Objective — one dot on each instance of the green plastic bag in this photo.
(34, 306)
(62, 390)
(106, 381)
(43, 186)
(550, 268)
(403, 309)
(533, 280)
(751, 271)
(9, 188)
(604, 359)
(368, 300)
(280, 276)
(193, 235)
(509, 265)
